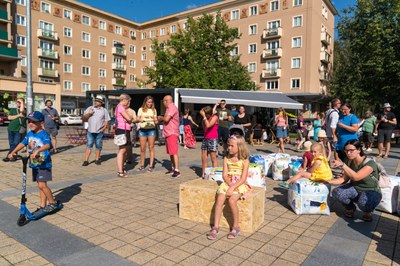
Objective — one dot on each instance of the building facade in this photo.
(287, 46)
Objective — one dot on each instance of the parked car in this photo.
(3, 119)
(70, 120)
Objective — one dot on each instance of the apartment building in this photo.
(287, 46)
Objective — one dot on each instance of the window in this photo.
(86, 53)
(144, 35)
(45, 7)
(251, 67)
(272, 45)
(102, 87)
(144, 57)
(132, 63)
(85, 36)
(252, 29)
(67, 32)
(85, 70)
(24, 61)
(272, 85)
(143, 71)
(21, 2)
(102, 41)
(85, 86)
(47, 27)
(295, 84)
(132, 78)
(102, 25)
(296, 62)
(253, 10)
(235, 51)
(67, 50)
(85, 20)
(20, 20)
(152, 34)
(21, 40)
(173, 28)
(67, 14)
(297, 2)
(272, 65)
(67, 85)
(132, 33)
(49, 46)
(274, 24)
(296, 42)
(235, 15)
(67, 68)
(252, 48)
(118, 30)
(46, 64)
(132, 48)
(102, 73)
(143, 48)
(274, 5)
(297, 21)
(102, 57)
(163, 31)
(152, 63)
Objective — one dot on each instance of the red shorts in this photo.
(171, 144)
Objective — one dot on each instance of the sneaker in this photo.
(176, 174)
(368, 150)
(85, 163)
(97, 162)
(51, 207)
(170, 172)
(6, 159)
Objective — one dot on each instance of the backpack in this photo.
(384, 179)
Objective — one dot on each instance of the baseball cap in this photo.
(35, 116)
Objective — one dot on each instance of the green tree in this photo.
(199, 57)
(367, 54)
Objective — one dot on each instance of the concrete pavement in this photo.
(112, 221)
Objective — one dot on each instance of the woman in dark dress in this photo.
(245, 120)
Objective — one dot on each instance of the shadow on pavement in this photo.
(64, 148)
(196, 169)
(107, 157)
(66, 194)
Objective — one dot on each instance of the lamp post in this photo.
(29, 96)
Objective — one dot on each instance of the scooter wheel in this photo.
(22, 220)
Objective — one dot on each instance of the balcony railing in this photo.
(118, 67)
(272, 53)
(9, 53)
(3, 35)
(4, 15)
(119, 51)
(271, 73)
(272, 33)
(326, 38)
(47, 34)
(47, 72)
(325, 57)
(53, 54)
(119, 82)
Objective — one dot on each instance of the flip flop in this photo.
(284, 184)
(233, 235)
(213, 233)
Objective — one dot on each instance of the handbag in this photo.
(55, 122)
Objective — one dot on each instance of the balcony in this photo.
(118, 82)
(272, 33)
(325, 57)
(4, 15)
(118, 67)
(4, 36)
(118, 51)
(326, 38)
(47, 53)
(271, 73)
(47, 72)
(8, 54)
(272, 53)
(47, 34)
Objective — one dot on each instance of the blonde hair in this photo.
(144, 105)
(321, 148)
(281, 109)
(243, 151)
(124, 96)
(208, 110)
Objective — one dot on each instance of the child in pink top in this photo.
(210, 141)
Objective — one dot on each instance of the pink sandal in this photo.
(234, 233)
(213, 233)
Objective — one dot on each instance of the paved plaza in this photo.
(134, 221)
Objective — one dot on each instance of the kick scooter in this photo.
(25, 216)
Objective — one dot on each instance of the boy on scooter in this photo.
(38, 143)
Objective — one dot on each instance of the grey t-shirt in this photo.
(96, 121)
(48, 114)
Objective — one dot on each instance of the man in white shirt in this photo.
(331, 120)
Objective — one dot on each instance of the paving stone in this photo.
(142, 257)
(194, 260)
(241, 252)
(262, 259)
(222, 245)
(176, 255)
(112, 244)
(159, 261)
(126, 250)
(209, 253)
(228, 259)
(293, 256)
(272, 250)
(191, 247)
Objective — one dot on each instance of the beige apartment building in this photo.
(287, 46)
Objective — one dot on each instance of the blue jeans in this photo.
(366, 200)
(94, 138)
(14, 138)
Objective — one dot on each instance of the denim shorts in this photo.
(41, 175)
(147, 132)
(209, 145)
(94, 138)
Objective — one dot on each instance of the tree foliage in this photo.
(367, 54)
(199, 57)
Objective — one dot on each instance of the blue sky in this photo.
(144, 10)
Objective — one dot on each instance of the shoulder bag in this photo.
(120, 139)
(55, 122)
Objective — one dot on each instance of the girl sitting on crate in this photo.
(236, 165)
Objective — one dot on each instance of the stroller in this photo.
(236, 130)
(160, 138)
